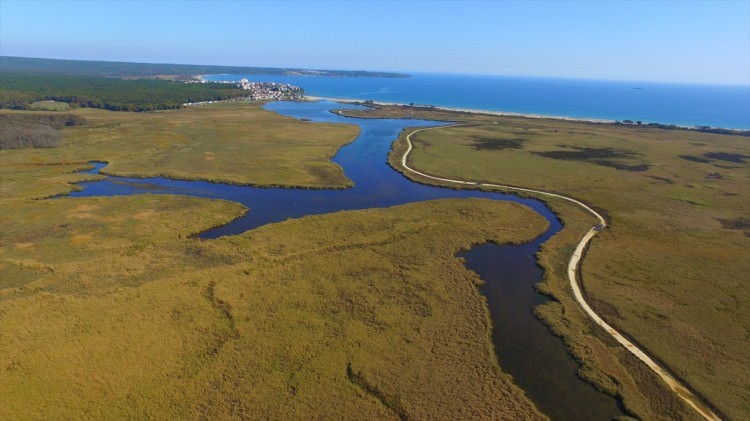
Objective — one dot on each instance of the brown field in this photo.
(670, 270)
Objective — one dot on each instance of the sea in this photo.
(724, 106)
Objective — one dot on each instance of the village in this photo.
(271, 90)
(257, 91)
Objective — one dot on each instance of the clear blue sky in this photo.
(678, 41)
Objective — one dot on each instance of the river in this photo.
(525, 348)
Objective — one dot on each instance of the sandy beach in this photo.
(459, 110)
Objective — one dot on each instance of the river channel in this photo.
(525, 348)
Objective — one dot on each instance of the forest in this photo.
(124, 70)
(19, 90)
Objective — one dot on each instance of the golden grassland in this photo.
(350, 315)
(109, 309)
(670, 270)
(237, 143)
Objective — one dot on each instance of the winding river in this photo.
(525, 348)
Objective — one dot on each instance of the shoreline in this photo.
(649, 125)
(462, 110)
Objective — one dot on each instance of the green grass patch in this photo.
(49, 106)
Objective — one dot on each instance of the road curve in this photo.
(682, 391)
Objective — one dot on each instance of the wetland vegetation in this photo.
(200, 143)
(104, 273)
(282, 321)
(669, 268)
(111, 309)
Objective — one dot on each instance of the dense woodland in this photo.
(121, 69)
(18, 91)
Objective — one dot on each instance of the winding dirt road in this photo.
(682, 391)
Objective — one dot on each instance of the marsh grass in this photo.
(230, 143)
(109, 309)
(669, 270)
(363, 314)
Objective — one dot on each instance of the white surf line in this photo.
(677, 387)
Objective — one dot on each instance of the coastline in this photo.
(462, 110)
(658, 104)
(625, 123)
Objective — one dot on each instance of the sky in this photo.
(672, 41)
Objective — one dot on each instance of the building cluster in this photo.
(271, 90)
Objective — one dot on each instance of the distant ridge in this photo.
(117, 69)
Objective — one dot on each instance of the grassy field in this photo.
(357, 314)
(109, 309)
(233, 143)
(670, 271)
(49, 106)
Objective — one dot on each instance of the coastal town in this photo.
(270, 90)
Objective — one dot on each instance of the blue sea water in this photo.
(682, 104)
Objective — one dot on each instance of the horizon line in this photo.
(410, 72)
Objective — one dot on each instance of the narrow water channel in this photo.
(525, 348)
(536, 359)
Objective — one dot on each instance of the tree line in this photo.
(114, 69)
(18, 91)
(702, 129)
